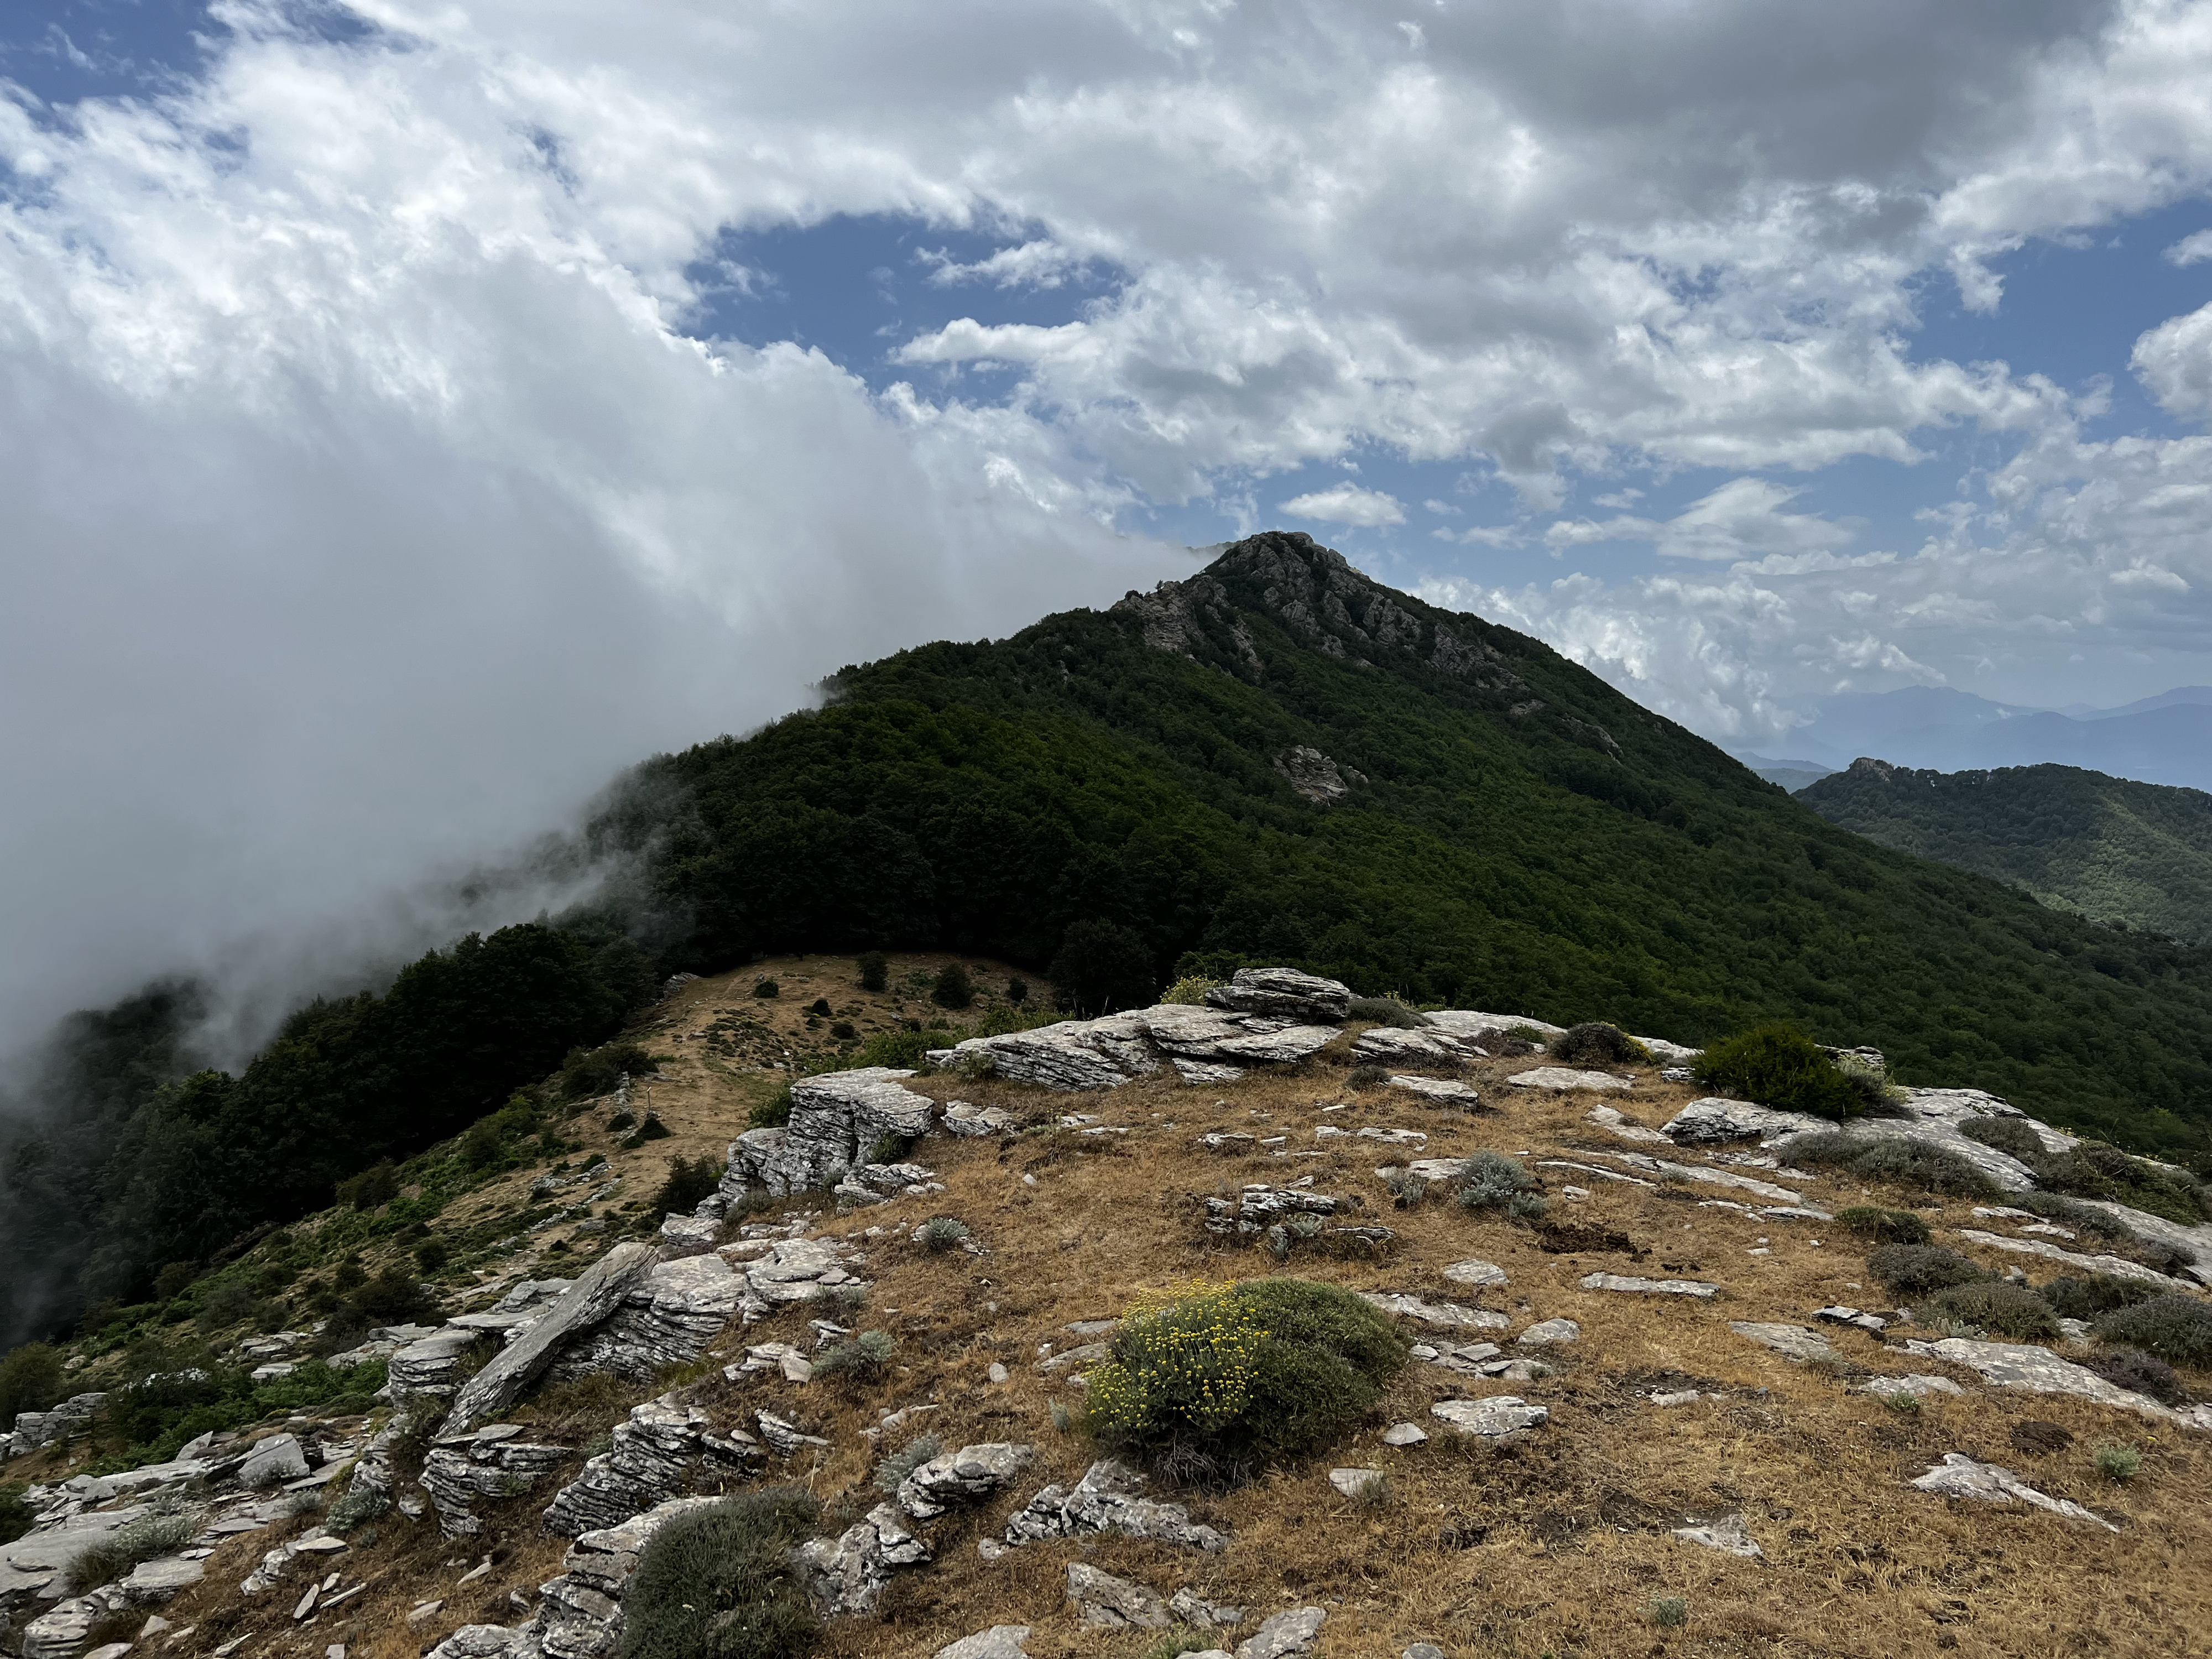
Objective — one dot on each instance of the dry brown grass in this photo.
(1557, 1545)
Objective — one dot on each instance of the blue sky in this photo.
(415, 411)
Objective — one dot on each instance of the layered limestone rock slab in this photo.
(2112, 1267)
(848, 1574)
(1502, 1413)
(1390, 1045)
(1961, 1476)
(602, 1289)
(836, 1120)
(1283, 994)
(1449, 1315)
(666, 1316)
(494, 1463)
(1563, 1078)
(2037, 1370)
(1629, 1286)
(961, 1477)
(1109, 1499)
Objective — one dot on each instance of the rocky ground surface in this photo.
(1681, 1383)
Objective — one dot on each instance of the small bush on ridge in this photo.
(1997, 1305)
(774, 1113)
(1778, 1066)
(1909, 1270)
(2010, 1135)
(718, 1584)
(108, 1559)
(1491, 1180)
(2085, 1296)
(2133, 1369)
(1891, 1158)
(2177, 1329)
(1887, 1226)
(1385, 1011)
(1595, 1044)
(941, 1232)
(690, 1180)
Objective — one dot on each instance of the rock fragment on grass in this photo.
(1959, 1476)
(1626, 1285)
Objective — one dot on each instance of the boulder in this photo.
(491, 1462)
(1562, 1078)
(1404, 1434)
(1959, 1476)
(1390, 1045)
(1445, 1314)
(1717, 1122)
(1283, 993)
(274, 1460)
(668, 1316)
(1108, 1500)
(1794, 1342)
(1727, 1534)
(1075, 1054)
(1474, 1271)
(963, 1119)
(848, 1575)
(960, 1477)
(1626, 1286)
(836, 1120)
(688, 1235)
(1101, 1602)
(1290, 1632)
(592, 1299)
(1549, 1331)
(1487, 1028)
(1353, 1483)
(1502, 1413)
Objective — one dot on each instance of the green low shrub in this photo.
(1884, 1226)
(1995, 1305)
(30, 1381)
(2093, 1169)
(1367, 1077)
(1222, 1381)
(2087, 1296)
(1670, 1611)
(820, 1008)
(940, 1233)
(689, 1181)
(896, 1465)
(109, 1558)
(2146, 1374)
(1595, 1044)
(856, 1361)
(1892, 1159)
(1779, 1066)
(1017, 991)
(2119, 1462)
(718, 1582)
(1491, 1180)
(768, 989)
(17, 1515)
(372, 1189)
(1385, 1011)
(1912, 1270)
(2010, 1135)
(2175, 1327)
(953, 988)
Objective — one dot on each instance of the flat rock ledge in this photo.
(1562, 1078)
(2032, 1370)
(1961, 1476)
(1629, 1287)
(1504, 1414)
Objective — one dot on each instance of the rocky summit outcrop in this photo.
(836, 1122)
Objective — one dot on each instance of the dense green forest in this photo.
(2139, 854)
(1502, 830)
(124, 1166)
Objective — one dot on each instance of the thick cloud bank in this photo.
(372, 496)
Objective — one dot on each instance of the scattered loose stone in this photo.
(1192, 1609)
(1353, 1482)
(1289, 1632)
(997, 1373)
(1794, 1342)
(1474, 1271)
(1445, 1091)
(1101, 1602)
(590, 1299)
(1912, 1384)
(784, 1437)
(1610, 1120)
(1501, 1414)
(1726, 1534)
(1627, 1286)
(1404, 1434)
(1679, 1397)
(1562, 1078)
(1445, 1314)
(1959, 1476)
(848, 1575)
(1549, 1331)
(1874, 1324)
(963, 1119)
(999, 1641)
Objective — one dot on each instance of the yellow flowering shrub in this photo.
(1182, 1364)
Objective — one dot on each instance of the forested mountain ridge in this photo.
(1512, 833)
(2111, 848)
(1278, 759)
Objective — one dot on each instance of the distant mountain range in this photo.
(2164, 740)
(2110, 848)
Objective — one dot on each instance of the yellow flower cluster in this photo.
(1181, 1363)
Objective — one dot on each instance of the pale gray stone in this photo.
(1628, 1286)
(975, 1121)
(1443, 1092)
(689, 1235)
(1483, 1028)
(1610, 1120)
(653, 1452)
(1108, 1500)
(1101, 1602)
(492, 1463)
(1290, 1632)
(1502, 1413)
(1259, 1207)
(999, 1641)
(156, 1581)
(1445, 1314)
(1561, 1078)
(1423, 1650)
(1353, 1483)
(1391, 1045)
(668, 1316)
(1705, 1176)
(1283, 994)
(1404, 1434)
(1793, 1341)
(592, 1299)
(1728, 1534)
(1913, 1384)
(276, 1459)
(1959, 1476)
(848, 1575)
(1194, 1609)
(1474, 1271)
(2112, 1266)
(961, 1477)
(1550, 1331)
(2037, 1370)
